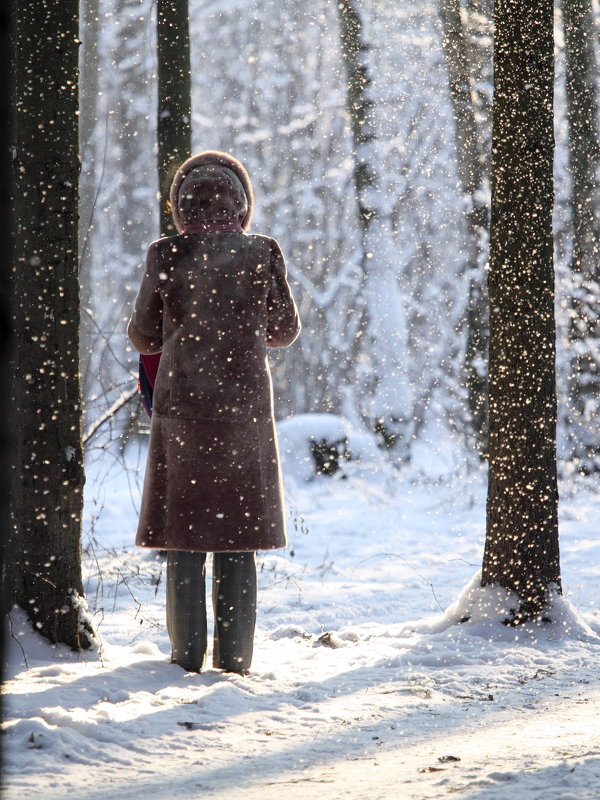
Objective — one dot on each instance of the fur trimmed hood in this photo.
(211, 186)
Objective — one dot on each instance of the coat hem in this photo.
(204, 550)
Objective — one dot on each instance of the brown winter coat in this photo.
(212, 302)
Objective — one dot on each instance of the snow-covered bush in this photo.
(323, 444)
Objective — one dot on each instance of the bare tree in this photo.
(119, 211)
(283, 113)
(521, 550)
(7, 14)
(91, 128)
(48, 478)
(472, 180)
(174, 123)
(584, 161)
(384, 322)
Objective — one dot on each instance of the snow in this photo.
(365, 682)
(369, 680)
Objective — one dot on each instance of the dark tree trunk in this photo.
(7, 250)
(521, 551)
(360, 107)
(584, 159)
(471, 179)
(48, 478)
(174, 128)
(584, 145)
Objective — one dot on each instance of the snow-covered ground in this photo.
(364, 683)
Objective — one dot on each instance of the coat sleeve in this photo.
(145, 326)
(283, 322)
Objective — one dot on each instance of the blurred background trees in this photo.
(270, 82)
(582, 417)
(366, 128)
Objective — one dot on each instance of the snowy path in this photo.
(548, 749)
(404, 687)
(375, 735)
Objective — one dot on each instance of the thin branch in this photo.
(109, 413)
(17, 641)
(410, 566)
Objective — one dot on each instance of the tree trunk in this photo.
(91, 122)
(521, 550)
(174, 126)
(584, 146)
(471, 179)
(90, 107)
(383, 323)
(48, 478)
(6, 336)
(584, 159)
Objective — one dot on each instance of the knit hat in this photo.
(215, 169)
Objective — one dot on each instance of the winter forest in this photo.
(431, 172)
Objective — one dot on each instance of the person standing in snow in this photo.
(211, 301)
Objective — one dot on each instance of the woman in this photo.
(212, 299)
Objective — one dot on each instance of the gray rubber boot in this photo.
(234, 603)
(186, 608)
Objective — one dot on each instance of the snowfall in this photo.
(367, 681)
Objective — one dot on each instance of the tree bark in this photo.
(174, 126)
(471, 178)
(48, 477)
(521, 550)
(359, 106)
(7, 12)
(584, 145)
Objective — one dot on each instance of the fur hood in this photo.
(211, 186)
